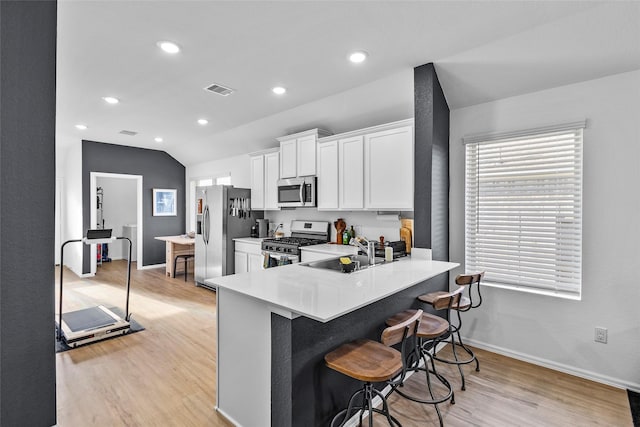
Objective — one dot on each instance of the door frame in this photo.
(94, 216)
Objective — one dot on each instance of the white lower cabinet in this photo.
(241, 262)
(255, 261)
(247, 256)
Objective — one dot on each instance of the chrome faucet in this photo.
(370, 249)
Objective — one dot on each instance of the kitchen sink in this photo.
(359, 262)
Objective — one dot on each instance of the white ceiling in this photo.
(482, 50)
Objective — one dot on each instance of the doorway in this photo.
(117, 205)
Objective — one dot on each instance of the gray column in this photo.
(431, 194)
(27, 197)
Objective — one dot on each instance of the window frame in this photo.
(570, 288)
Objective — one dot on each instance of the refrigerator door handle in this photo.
(205, 225)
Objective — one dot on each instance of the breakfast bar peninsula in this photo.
(276, 325)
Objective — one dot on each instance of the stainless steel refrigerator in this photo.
(222, 214)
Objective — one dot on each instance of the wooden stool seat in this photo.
(464, 304)
(365, 360)
(430, 326)
(373, 362)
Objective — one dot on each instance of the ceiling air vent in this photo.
(219, 89)
(128, 132)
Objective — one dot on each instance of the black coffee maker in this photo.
(262, 227)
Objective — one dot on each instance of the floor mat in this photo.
(61, 346)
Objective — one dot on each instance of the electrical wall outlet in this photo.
(601, 335)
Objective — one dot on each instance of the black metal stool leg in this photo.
(175, 261)
(185, 268)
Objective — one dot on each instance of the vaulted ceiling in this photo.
(482, 50)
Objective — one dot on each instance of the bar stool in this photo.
(430, 330)
(466, 303)
(373, 362)
(186, 258)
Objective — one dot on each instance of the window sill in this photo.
(545, 292)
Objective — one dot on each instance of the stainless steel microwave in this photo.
(297, 192)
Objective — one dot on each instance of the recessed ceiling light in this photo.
(169, 47)
(203, 121)
(279, 90)
(110, 99)
(81, 127)
(358, 57)
(157, 139)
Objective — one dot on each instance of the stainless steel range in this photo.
(286, 250)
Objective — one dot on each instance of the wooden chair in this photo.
(466, 303)
(430, 330)
(373, 362)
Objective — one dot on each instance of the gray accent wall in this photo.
(431, 194)
(158, 170)
(27, 198)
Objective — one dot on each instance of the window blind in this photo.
(523, 202)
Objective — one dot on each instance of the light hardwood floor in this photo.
(165, 375)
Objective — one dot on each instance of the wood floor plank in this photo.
(166, 374)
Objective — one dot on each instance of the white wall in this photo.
(237, 167)
(559, 332)
(119, 208)
(71, 177)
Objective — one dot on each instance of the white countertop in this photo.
(324, 295)
(329, 248)
(253, 240)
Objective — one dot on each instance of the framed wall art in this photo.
(164, 202)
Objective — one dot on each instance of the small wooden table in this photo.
(177, 245)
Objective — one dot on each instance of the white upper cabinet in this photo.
(257, 181)
(298, 153)
(350, 172)
(271, 173)
(264, 179)
(288, 154)
(307, 155)
(370, 169)
(328, 175)
(388, 169)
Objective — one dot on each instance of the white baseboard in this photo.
(567, 369)
(151, 266)
(227, 417)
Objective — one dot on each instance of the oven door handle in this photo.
(302, 193)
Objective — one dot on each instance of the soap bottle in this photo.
(352, 233)
(346, 237)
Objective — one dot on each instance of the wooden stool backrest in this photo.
(448, 300)
(398, 333)
(470, 280)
